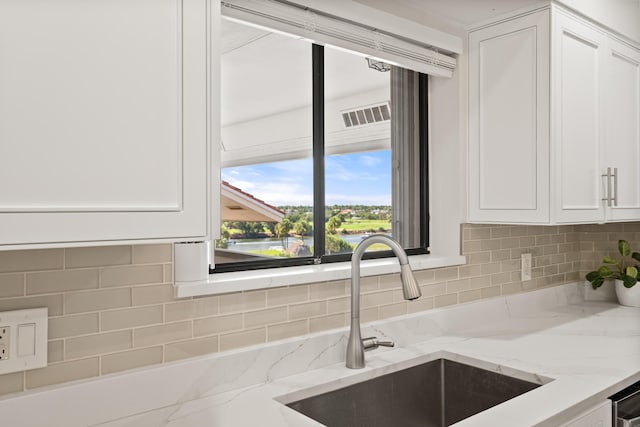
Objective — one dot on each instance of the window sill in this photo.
(272, 278)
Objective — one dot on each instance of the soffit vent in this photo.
(367, 115)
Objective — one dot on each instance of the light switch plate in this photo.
(23, 339)
(4, 342)
(525, 267)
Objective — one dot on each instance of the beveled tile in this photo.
(324, 323)
(69, 326)
(242, 339)
(242, 301)
(55, 351)
(191, 348)
(388, 281)
(376, 298)
(31, 260)
(493, 291)
(309, 309)
(152, 335)
(191, 309)
(152, 294)
(97, 256)
(287, 295)
(326, 290)
(470, 271)
(131, 317)
(421, 304)
(265, 317)
(52, 302)
(124, 360)
(11, 285)
(433, 289)
(511, 288)
(287, 330)
(11, 383)
(444, 300)
(91, 345)
(131, 275)
(168, 273)
(80, 302)
(338, 305)
(471, 295)
(217, 324)
(392, 310)
(60, 281)
(457, 285)
(369, 314)
(449, 273)
(369, 284)
(148, 254)
(63, 372)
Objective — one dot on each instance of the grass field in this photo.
(365, 225)
(271, 253)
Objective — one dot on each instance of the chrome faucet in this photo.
(356, 345)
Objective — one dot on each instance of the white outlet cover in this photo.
(31, 345)
(525, 267)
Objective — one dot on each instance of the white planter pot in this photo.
(628, 296)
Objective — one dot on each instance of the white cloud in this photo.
(369, 161)
(350, 199)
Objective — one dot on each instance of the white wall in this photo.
(622, 16)
(287, 135)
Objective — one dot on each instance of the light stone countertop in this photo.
(583, 351)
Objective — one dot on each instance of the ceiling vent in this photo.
(367, 115)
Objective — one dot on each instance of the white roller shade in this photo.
(327, 29)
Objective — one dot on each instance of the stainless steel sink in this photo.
(437, 393)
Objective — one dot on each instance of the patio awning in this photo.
(238, 205)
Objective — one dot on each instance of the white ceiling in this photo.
(463, 12)
(266, 73)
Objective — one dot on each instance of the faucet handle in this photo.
(371, 343)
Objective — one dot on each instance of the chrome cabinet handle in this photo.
(371, 343)
(612, 187)
(608, 196)
(615, 187)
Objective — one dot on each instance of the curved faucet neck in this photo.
(356, 258)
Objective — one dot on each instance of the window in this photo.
(321, 147)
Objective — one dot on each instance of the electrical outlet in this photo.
(525, 267)
(4, 342)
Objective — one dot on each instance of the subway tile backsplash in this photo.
(113, 309)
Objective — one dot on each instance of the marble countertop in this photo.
(583, 351)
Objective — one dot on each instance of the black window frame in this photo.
(319, 225)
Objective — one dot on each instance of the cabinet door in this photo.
(508, 121)
(598, 416)
(103, 120)
(622, 142)
(578, 59)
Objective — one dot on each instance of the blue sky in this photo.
(359, 179)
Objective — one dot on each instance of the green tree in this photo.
(302, 228)
(333, 224)
(250, 229)
(335, 245)
(282, 231)
(270, 226)
(223, 241)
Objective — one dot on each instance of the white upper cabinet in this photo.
(554, 103)
(508, 121)
(103, 120)
(577, 88)
(622, 130)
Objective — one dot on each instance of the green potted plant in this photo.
(623, 272)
